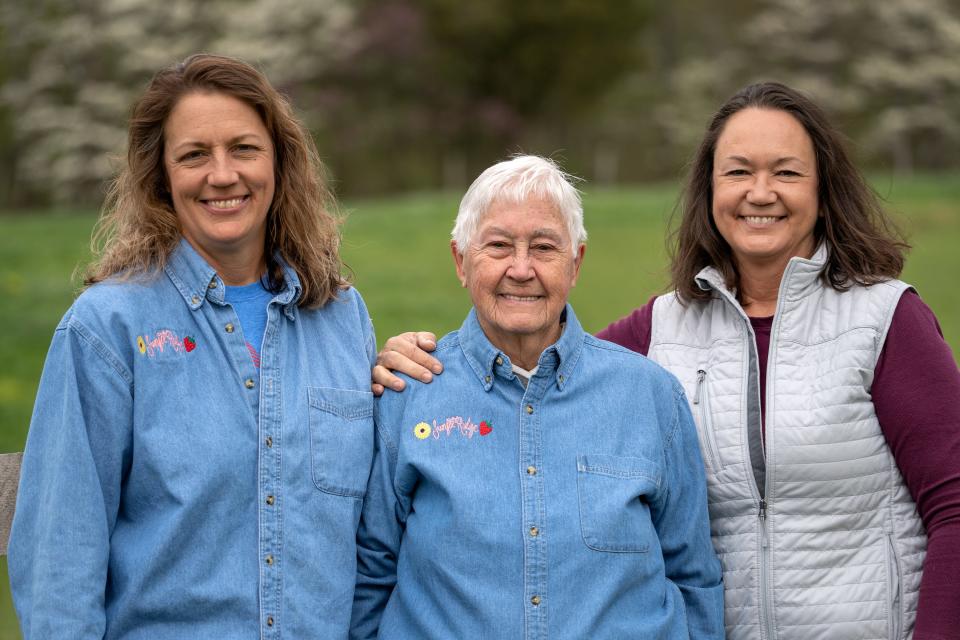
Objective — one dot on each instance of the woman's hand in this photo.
(406, 353)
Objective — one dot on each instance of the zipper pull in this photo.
(763, 510)
(701, 374)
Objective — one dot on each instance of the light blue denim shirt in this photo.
(168, 492)
(572, 508)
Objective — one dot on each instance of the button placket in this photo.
(534, 505)
(267, 396)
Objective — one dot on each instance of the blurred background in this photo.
(423, 94)
(410, 99)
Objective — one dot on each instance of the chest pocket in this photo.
(614, 494)
(341, 439)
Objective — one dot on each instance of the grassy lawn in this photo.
(398, 251)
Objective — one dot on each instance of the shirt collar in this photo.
(557, 360)
(804, 271)
(197, 281)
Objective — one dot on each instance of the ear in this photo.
(458, 261)
(577, 261)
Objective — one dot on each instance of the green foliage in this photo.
(399, 252)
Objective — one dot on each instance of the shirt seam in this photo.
(107, 356)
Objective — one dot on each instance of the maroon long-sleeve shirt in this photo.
(916, 396)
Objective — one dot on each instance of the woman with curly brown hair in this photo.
(826, 400)
(202, 434)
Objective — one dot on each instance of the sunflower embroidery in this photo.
(422, 430)
(141, 345)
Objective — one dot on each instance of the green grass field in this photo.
(398, 251)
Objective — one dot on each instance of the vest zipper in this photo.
(765, 607)
(711, 452)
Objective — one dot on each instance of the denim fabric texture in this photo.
(168, 492)
(572, 508)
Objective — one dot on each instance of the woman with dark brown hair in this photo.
(827, 402)
(202, 434)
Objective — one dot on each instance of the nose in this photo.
(222, 173)
(761, 191)
(521, 267)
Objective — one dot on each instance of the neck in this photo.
(759, 287)
(525, 350)
(236, 268)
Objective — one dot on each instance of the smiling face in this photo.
(765, 202)
(519, 268)
(219, 160)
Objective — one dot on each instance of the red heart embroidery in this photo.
(189, 344)
(485, 428)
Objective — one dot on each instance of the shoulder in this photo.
(100, 322)
(633, 330)
(347, 301)
(627, 365)
(112, 304)
(347, 311)
(392, 405)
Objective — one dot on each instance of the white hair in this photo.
(515, 181)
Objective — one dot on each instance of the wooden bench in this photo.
(9, 480)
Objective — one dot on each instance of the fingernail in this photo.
(427, 377)
(437, 368)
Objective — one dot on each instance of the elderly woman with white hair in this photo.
(549, 484)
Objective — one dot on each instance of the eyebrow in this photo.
(537, 233)
(744, 160)
(191, 144)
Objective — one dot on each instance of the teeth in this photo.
(760, 219)
(225, 204)
(520, 298)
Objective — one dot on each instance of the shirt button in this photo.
(268, 559)
(535, 601)
(561, 377)
(228, 327)
(534, 532)
(531, 470)
(270, 500)
(249, 383)
(529, 408)
(195, 299)
(213, 284)
(268, 441)
(486, 379)
(499, 360)
(269, 621)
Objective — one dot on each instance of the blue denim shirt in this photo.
(572, 508)
(167, 492)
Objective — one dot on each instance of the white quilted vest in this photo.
(830, 545)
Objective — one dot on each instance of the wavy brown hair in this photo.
(138, 227)
(863, 244)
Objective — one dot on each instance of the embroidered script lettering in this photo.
(464, 426)
(163, 339)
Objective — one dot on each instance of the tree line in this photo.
(422, 94)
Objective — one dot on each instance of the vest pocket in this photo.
(341, 439)
(894, 589)
(708, 439)
(614, 493)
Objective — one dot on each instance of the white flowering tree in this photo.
(888, 71)
(74, 68)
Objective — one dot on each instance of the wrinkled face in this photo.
(765, 201)
(519, 269)
(220, 171)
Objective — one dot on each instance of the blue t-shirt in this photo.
(250, 303)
